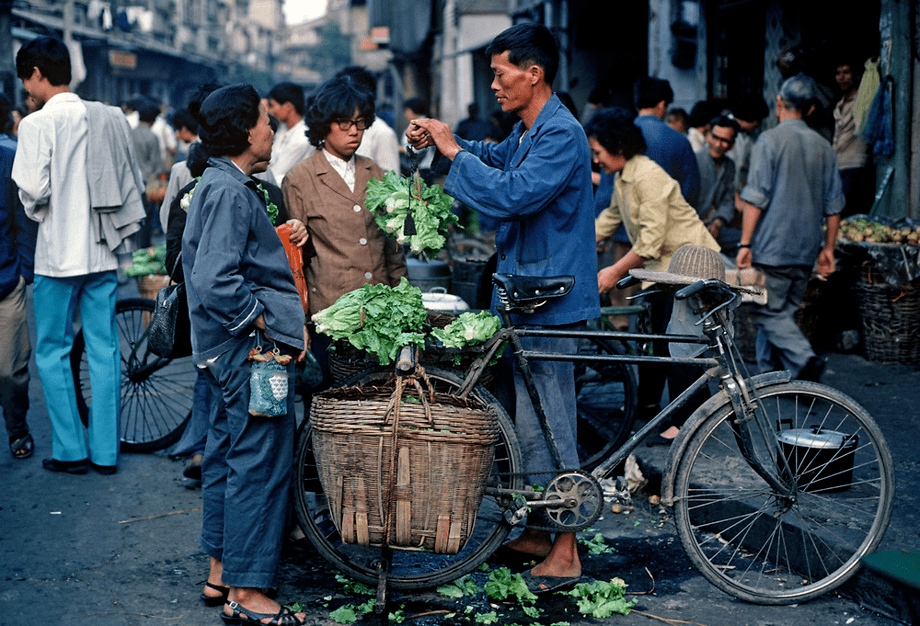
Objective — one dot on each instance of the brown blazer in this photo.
(350, 249)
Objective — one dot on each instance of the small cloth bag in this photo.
(268, 382)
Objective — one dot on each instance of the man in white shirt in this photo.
(74, 266)
(291, 146)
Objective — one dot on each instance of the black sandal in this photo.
(215, 600)
(242, 615)
(22, 447)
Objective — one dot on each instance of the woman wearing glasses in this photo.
(327, 193)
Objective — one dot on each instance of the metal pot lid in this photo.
(429, 269)
(813, 438)
(438, 300)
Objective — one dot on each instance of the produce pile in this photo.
(148, 261)
(380, 320)
(860, 229)
(394, 198)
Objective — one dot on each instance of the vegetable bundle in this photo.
(865, 230)
(376, 318)
(148, 261)
(394, 198)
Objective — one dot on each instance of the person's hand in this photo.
(299, 234)
(715, 227)
(430, 132)
(607, 279)
(306, 344)
(259, 322)
(744, 258)
(826, 262)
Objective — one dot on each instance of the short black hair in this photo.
(750, 107)
(648, 92)
(282, 93)
(183, 119)
(360, 75)
(225, 119)
(677, 112)
(336, 99)
(199, 95)
(417, 105)
(49, 55)
(148, 112)
(615, 129)
(701, 113)
(528, 43)
(725, 122)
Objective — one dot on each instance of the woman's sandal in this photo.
(215, 600)
(242, 615)
(22, 447)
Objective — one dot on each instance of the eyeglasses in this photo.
(723, 140)
(360, 124)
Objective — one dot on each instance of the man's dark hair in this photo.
(6, 117)
(648, 92)
(360, 75)
(282, 93)
(528, 43)
(677, 113)
(225, 119)
(615, 129)
(183, 119)
(418, 105)
(336, 99)
(725, 122)
(147, 112)
(750, 107)
(702, 112)
(49, 55)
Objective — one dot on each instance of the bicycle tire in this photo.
(156, 393)
(409, 570)
(749, 542)
(607, 401)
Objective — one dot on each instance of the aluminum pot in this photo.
(821, 459)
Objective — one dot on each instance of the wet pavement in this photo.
(122, 549)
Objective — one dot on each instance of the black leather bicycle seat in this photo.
(524, 290)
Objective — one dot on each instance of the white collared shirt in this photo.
(50, 170)
(345, 169)
(289, 148)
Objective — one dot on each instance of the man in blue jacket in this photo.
(537, 183)
(17, 255)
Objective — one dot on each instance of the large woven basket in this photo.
(402, 466)
(890, 319)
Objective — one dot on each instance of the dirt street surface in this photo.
(122, 550)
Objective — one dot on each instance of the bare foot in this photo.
(257, 602)
(562, 560)
(670, 433)
(214, 574)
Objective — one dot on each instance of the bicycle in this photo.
(156, 393)
(778, 487)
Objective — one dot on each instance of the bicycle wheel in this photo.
(758, 546)
(409, 570)
(156, 393)
(607, 399)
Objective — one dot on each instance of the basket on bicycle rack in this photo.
(400, 468)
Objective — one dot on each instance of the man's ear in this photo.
(536, 74)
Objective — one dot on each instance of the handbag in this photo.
(170, 332)
(268, 381)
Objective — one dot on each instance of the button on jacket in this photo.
(235, 265)
(351, 250)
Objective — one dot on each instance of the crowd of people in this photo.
(76, 193)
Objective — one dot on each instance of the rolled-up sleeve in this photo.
(759, 187)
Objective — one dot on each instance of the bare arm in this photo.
(750, 217)
(608, 277)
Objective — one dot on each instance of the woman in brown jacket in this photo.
(327, 193)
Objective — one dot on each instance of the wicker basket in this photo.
(890, 320)
(149, 286)
(406, 474)
(345, 361)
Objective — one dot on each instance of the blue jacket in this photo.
(17, 232)
(672, 151)
(235, 266)
(541, 191)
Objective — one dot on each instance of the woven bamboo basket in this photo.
(149, 286)
(402, 466)
(890, 319)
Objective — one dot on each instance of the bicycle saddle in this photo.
(530, 290)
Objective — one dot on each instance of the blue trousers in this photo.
(56, 300)
(780, 342)
(245, 475)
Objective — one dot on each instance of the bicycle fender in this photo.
(711, 405)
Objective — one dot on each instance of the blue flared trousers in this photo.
(56, 300)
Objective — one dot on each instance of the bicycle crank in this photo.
(574, 500)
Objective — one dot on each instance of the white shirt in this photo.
(50, 169)
(167, 136)
(289, 148)
(345, 169)
(381, 145)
